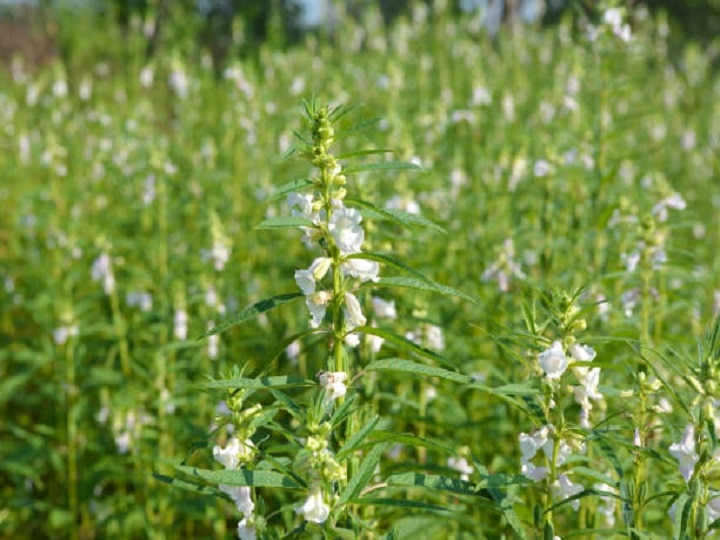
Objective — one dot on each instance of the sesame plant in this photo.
(324, 444)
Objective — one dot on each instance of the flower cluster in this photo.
(233, 456)
(337, 230)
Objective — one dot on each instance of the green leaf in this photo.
(415, 283)
(259, 383)
(392, 263)
(399, 503)
(359, 126)
(284, 222)
(362, 475)
(253, 311)
(406, 219)
(403, 343)
(408, 366)
(368, 152)
(357, 438)
(241, 477)
(383, 166)
(410, 440)
(201, 489)
(298, 184)
(431, 481)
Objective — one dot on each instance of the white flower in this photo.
(241, 496)
(102, 271)
(317, 304)
(314, 509)
(362, 269)
(301, 205)
(384, 308)
(245, 531)
(228, 456)
(180, 324)
(564, 489)
(306, 279)
(461, 465)
(334, 383)
(435, 337)
(534, 473)
(684, 452)
(344, 226)
(553, 361)
(353, 312)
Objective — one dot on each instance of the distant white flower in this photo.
(180, 324)
(435, 337)
(505, 267)
(333, 383)
(353, 312)
(102, 271)
(146, 77)
(63, 333)
(553, 361)
(140, 299)
(314, 509)
(384, 308)
(684, 452)
(461, 465)
(344, 227)
(673, 201)
(362, 269)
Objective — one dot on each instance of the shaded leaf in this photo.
(408, 366)
(362, 475)
(260, 383)
(253, 311)
(423, 285)
(241, 477)
(284, 222)
(298, 184)
(406, 219)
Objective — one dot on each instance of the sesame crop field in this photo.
(404, 282)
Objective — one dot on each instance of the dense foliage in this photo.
(558, 293)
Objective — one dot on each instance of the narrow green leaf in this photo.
(414, 283)
(359, 126)
(408, 366)
(368, 152)
(362, 475)
(403, 343)
(298, 184)
(399, 503)
(241, 477)
(357, 438)
(202, 489)
(410, 440)
(253, 311)
(406, 219)
(389, 261)
(383, 166)
(284, 222)
(260, 383)
(430, 481)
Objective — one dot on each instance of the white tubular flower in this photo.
(536, 474)
(581, 353)
(334, 384)
(241, 496)
(553, 361)
(229, 456)
(314, 509)
(245, 531)
(317, 304)
(684, 452)
(352, 340)
(564, 489)
(362, 269)
(344, 226)
(307, 279)
(353, 312)
(180, 324)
